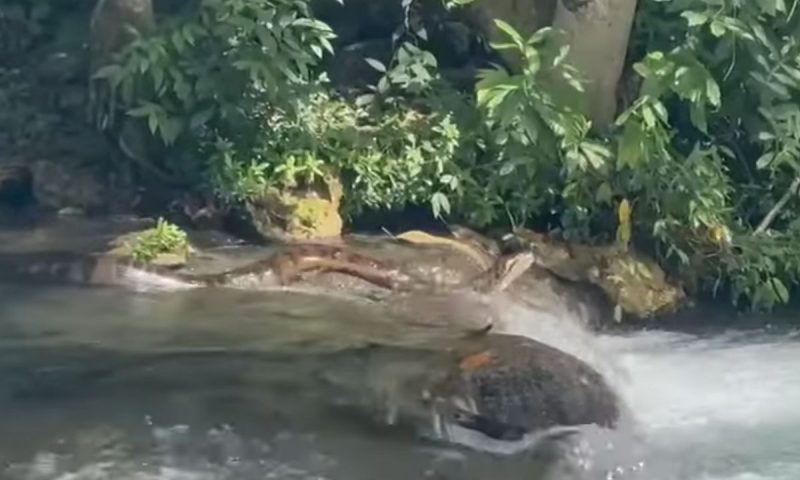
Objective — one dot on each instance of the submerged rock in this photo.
(513, 386)
(499, 387)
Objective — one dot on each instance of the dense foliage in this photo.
(703, 159)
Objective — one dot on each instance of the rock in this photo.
(639, 286)
(512, 386)
(503, 387)
(357, 20)
(61, 183)
(122, 247)
(368, 29)
(634, 282)
(71, 212)
(348, 68)
(303, 213)
(60, 68)
(451, 42)
(15, 185)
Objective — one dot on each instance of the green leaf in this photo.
(512, 33)
(604, 194)
(108, 71)
(200, 118)
(712, 92)
(695, 18)
(765, 160)
(440, 203)
(718, 28)
(780, 290)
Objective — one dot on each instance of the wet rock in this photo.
(509, 386)
(498, 387)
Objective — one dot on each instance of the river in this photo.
(101, 383)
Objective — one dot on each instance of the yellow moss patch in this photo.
(314, 218)
(634, 282)
(639, 286)
(311, 212)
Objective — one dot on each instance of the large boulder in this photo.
(509, 386)
(502, 387)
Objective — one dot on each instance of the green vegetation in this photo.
(701, 167)
(164, 238)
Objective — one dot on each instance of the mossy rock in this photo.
(304, 213)
(315, 218)
(634, 282)
(638, 285)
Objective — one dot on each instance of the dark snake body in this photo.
(282, 268)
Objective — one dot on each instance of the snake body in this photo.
(279, 269)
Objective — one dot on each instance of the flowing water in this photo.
(111, 384)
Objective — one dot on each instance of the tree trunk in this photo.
(114, 25)
(598, 32)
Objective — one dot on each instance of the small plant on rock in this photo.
(165, 237)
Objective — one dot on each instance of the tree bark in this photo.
(598, 32)
(114, 25)
(111, 25)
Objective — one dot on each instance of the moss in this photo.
(632, 281)
(314, 218)
(639, 286)
(306, 212)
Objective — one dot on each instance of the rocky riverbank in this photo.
(499, 383)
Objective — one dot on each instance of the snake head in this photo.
(511, 267)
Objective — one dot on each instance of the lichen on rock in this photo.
(634, 282)
(301, 213)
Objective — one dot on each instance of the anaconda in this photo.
(280, 269)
